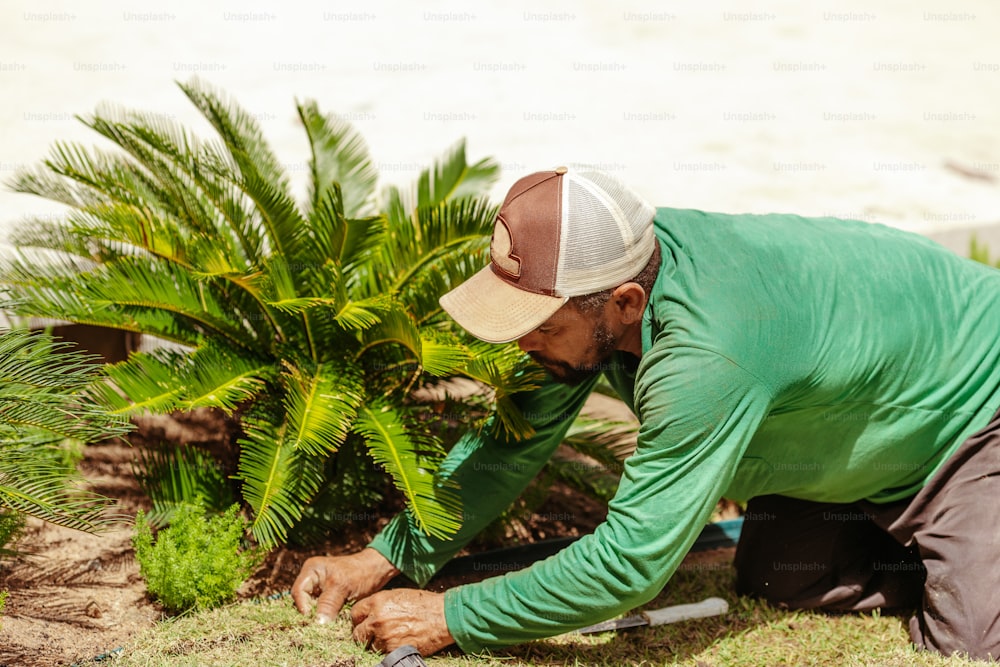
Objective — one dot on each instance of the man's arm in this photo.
(698, 412)
(491, 473)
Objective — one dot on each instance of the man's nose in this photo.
(529, 342)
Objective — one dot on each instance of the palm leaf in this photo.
(335, 237)
(339, 158)
(395, 326)
(454, 228)
(606, 441)
(26, 359)
(443, 358)
(44, 399)
(509, 371)
(321, 405)
(278, 479)
(411, 460)
(168, 290)
(176, 476)
(190, 173)
(261, 175)
(350, 315)
(43, 390)
(145, 382)
(43, 490)
(220, 378)
(452, 177)
(166, 380)
(201, 176)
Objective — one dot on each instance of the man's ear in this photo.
(629, 302)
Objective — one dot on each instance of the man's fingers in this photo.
(302, 591)
(362, 633)
(315, 579)
(329, 604)
(360, 610)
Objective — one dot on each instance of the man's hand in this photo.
(339, 579)
(390, 619)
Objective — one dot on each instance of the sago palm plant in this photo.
(313, 319)
(44, 402)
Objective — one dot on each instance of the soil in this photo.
(74, 596)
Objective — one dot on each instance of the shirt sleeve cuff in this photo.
(395, 542)
(454, 610)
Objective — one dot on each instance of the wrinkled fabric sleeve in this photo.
(491, 473)
(698, 412)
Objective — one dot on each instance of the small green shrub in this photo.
(11, 525)
(197, 562)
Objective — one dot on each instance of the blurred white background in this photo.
(884, 110)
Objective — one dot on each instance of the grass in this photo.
(752, 634)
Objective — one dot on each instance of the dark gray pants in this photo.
(938, 552)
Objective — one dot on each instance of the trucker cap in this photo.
(559, 234)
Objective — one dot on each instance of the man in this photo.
(843, 377)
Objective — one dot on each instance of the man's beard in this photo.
(600, 351)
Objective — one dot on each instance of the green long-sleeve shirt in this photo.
(822, 359)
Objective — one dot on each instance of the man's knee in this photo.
(967, 640)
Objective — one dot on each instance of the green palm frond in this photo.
(96, 176)
(365, 313)
(452, 177)
(607, 442)
(130, 228)
(198, 175)
(35, 234)
(44, 400)
(336, 238)
(145, 382)
(37, 487)
(509, 371)
(176, 161)
(278, 479)
(411, 461)
(220, 378)
(166, 380)
(261, 175)
(339, 159)
(26, 361)
(43, 389)
(43, 181)
(443, 358)
(454, 229)
(62, 300)
(395, 326)
(350, 315)
(321, 405)
(167, 290)
(173, 477)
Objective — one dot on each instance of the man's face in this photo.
(572, 347)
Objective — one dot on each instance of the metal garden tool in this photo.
(673, 614)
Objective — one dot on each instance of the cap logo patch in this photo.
(502, 250)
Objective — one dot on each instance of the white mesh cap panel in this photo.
(607, 234)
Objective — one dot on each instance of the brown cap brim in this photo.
(492, 310)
